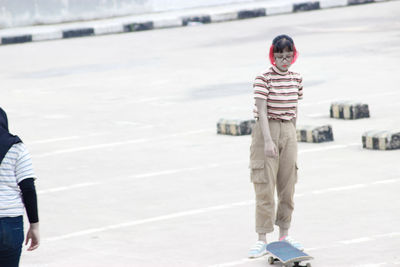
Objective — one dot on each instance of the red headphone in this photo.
(271, 55)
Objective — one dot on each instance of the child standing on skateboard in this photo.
(273, 151)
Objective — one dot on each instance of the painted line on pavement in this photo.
(346, 188)
(149, 220)
(386, 181)
(65, 138)
(335, 244)
(215, 165)
(373, 264)
(328, 101)
(209, 166)
(137, 176)
(324, 148)
(212, 209)
(127, 142)
(173, 171)
(317, 115)
(341, 188)
(92, 147)
(64, 188)
(144, 140)
(355, 241)
(52, 140)
(239, 262)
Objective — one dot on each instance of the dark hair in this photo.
(281, 42)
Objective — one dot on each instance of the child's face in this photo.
(283, 60)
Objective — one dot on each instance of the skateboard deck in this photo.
(287, 254)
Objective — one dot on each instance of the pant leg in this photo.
(11, 239)
(287, 175)
(263, 175)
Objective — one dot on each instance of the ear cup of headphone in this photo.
(271, 55)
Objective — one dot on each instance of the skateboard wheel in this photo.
(308, 264)
(271, 260)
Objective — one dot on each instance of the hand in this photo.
(33, 235)
(270, 149)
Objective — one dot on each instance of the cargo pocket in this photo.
(295, 172)
(257, 174)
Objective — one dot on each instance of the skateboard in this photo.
(287, 254)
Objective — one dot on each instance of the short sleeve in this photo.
(23, 165)
(261, 87)
(300, 92)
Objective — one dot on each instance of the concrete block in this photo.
(16, 39)
(200, 19)
(306, 6)
(349, 110)
(314, 134)
(246, 14)
(138, 26)
(78, 32)
(381, 140)
(359, 2)
(235, 127)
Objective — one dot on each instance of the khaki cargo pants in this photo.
(268, 173)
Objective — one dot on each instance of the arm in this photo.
(33, 235)
(29, 198)
(270, 149)
(25, 178)
(300, 96)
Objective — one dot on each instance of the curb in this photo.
(180, 21)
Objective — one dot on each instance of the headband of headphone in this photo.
(275, 41)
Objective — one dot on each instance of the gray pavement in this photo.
(122, 129)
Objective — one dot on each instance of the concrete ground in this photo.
(122, 129)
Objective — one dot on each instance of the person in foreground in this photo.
(17, 191)
(273, 150)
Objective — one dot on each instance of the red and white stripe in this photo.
(281, 90)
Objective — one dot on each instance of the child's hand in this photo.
(33, 235)
(270, 149)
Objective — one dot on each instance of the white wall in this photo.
(15, 13)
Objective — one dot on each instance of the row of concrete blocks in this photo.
(134, 24)
(310, 134)
(349, 110)
(379, 140)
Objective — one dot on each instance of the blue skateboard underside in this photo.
(285, 251)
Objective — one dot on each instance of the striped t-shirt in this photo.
(281, 90)
(15, 167)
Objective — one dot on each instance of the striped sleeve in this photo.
(23, 165)
(261, 87)
(300, 93)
